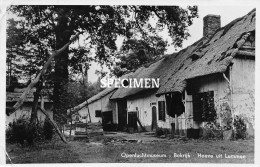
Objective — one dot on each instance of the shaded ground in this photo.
(115, 147)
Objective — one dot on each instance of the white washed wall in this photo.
(103, 104)
(145, 110)
(92, 108)
(25, 111)
(243, 84)
(215, 83)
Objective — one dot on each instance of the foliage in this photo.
(14, 50)
(11, 83)
(50, 27)
(73, 94)
(161, 131)
(209, 113)
(135, 53)
(226, 116)
(24, 59)
(240, 127)
(21, 130)
(212, 131)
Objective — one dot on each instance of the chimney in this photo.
(211, 24)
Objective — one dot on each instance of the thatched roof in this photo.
(15, 96)
(213, 56)
(204, 57)
(106, 91)
(100, 95)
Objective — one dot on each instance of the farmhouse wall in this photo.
(243, 85)
(25, 112)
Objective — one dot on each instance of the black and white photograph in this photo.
(128, 83)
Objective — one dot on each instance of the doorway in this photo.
(154, 119)
(132, 120)
(122, 114)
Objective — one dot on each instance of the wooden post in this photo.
(176, 125)
(89, 113)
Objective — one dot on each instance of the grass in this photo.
(48, 152)
(112, 153)
(82, 152)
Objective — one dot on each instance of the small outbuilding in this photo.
(25, 110)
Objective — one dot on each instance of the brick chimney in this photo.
(211, 24)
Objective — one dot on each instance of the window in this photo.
(161, 109)
(203, 106)
(98, 113)
(77, 118)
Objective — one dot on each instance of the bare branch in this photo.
(53, 124)
(20, 102)
(77, 108)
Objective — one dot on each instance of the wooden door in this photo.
(154, 119)
(122, 114)
(132, 120)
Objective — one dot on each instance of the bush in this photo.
(209, 113)
(161, 131)
(240, 128)
(19, 131)
(211, 131)
(22, 130)
(47, 129)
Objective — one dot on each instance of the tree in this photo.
(13, 44)
(38, 82)
(53, 26)
(135, 53)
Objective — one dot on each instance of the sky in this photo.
(227, 13)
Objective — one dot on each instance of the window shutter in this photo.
(197, 107)
(161, 109)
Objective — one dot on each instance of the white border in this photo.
(233, 3)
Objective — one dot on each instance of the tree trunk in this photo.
(35, 103)
(70, 127)
(61, 68)
(53, 124)
(85, 77)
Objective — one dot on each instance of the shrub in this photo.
(159, 132)
(209, 113)
(240, 128)
(19, 131)
(162, 131)
(22, 130)
(211, 131)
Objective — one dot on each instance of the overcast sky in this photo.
(227, 13)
